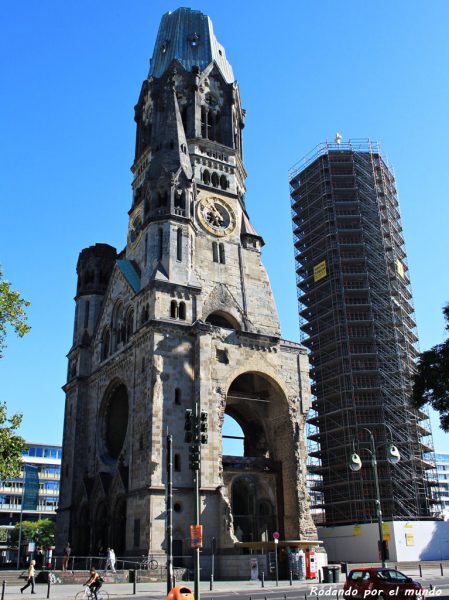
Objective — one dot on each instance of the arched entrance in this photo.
(261, 484)
(119, 527)
(83, 530)
(101, 533)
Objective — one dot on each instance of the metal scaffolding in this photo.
(357, 320)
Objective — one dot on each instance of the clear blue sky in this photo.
(71, 74)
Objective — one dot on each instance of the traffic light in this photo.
(204, 426)
(188, 426)
(194, 457)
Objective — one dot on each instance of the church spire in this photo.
(171, 151)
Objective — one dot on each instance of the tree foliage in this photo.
(41, 532)
(431, 381)
(11, 444)
(12, 312)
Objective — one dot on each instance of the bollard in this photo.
(263, 579)
(134, 582)
(420, 570)
(291, 577)
(441, 568)
(48, 586)
(319, 575)
(211, 586)
(3, 589)
(174, 580)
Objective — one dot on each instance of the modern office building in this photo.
(357, 321)
(46, 459)
(438, 478)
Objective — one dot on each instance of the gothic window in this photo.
(215, 180)
(182, 311)
(223, 182)
(215, 251)
(203, 122)
(177, 462)
(178, 396)
(86, 314)
(146, 249)
(143, 365)
(221, 249)
(179, 244)
(145, 314)
(206, 177)
(129, 324)
(160, 243)
(105, 343)
(184, 118)
(173, 309)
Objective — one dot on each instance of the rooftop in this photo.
(187, 36)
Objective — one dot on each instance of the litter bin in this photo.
(334, 573)
(327, 575)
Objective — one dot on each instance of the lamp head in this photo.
(355, 462)
(393, 455)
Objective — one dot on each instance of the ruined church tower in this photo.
(183, 316)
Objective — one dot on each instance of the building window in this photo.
(206, 177)
(215, 251)
(86, 314)
(222, 253)
(173, 309)
(177, 462)
(146, 249)
(182, 311)
(178, 396)
(215, 180)
(179, 244)
(160, 243)
(105, 343)
(143, 364)
(223, 182)
(129, 324)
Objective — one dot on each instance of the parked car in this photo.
(381, 583)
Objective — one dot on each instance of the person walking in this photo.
(110, 560)
(65, 558)
(30, 580)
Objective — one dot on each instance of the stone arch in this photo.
(83, 530)
(220, 318)
(220, 300)
(101, 527)
(113, 420)
(259, 402)
(118, 533)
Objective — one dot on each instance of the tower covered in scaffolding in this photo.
(357, 320)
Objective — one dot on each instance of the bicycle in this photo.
(149, 563)
(88, 595)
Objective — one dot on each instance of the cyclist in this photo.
(94, 582)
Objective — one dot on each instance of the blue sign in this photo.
(31, 488)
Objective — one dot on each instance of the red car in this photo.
(381, 583)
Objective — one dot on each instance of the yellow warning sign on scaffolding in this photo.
(319, 271)
(400, 268)
(386, 530)
(357, 530)
(409, 539)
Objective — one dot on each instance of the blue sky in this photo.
(71, 74)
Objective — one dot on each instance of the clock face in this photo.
(216, 216)
(135, 230)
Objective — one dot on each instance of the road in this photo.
(224, 590)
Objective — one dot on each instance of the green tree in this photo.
(41, 532)
(431, 381)
(12, 312)
(11, 444)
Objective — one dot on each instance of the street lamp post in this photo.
(355, 464)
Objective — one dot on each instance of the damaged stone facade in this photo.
(184, 315)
